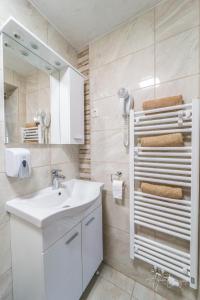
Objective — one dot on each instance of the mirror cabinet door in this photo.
(27, 95)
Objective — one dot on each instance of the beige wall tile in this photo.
(32, 105)
(107, 146)
(1, 132)
(64, 153)
(116, 248)
(141, 95)
(131, 37)
(5, 251)
(2, 162)
(44, 99)
(178, 56)
(6, 191)
(188, 87)
(43, 80)
(107, 117)
(32, 82)
(40, 155)
(6, 286)
(109, 114)
(4, 217)
(173, 17)
(57, 42)
(101, 171)
(8, 76)
(22, 109)
(2, 147)
(117, 255)
(14, 187)
(116, 212)
(128, 72)
(37, 94)
(1, 98)
(70, 169)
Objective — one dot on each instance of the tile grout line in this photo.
(151, 86)
(142, 49)
(122, 57)
(108, 225)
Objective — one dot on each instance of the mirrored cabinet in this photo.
(43, 93)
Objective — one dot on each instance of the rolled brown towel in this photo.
(162, 102)
(167, 140)
(162, 190)
(30, 125)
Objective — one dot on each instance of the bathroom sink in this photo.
(47, 205)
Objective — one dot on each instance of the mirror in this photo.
(27, 102)
(43, 93)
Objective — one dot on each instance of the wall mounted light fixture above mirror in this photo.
(43, 93)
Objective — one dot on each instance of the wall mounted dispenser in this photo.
(17, 162)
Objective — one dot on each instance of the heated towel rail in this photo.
(174, 166)
(31, 135)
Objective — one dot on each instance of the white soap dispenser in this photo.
(18, 162)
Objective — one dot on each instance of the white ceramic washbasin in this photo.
(47, 205)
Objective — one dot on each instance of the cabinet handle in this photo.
(90, 221)
(71, 238)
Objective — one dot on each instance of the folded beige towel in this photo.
(163, 102)
(30, 125)
(162, 190)
(167, 140)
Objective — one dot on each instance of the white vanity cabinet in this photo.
(63, 267)
(58, 261)
(92, 251)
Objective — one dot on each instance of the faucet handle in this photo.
(55, 171)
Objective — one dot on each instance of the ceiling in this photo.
(81, 21)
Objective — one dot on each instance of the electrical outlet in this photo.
(95, 113)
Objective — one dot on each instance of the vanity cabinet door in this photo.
(92, 246)
(63, 267)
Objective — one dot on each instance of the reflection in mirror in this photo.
(26, 95)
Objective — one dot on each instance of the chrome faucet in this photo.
(55, 178)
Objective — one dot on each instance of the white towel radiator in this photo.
(31, 134)
(175, 166)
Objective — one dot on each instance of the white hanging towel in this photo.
(117, 189)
